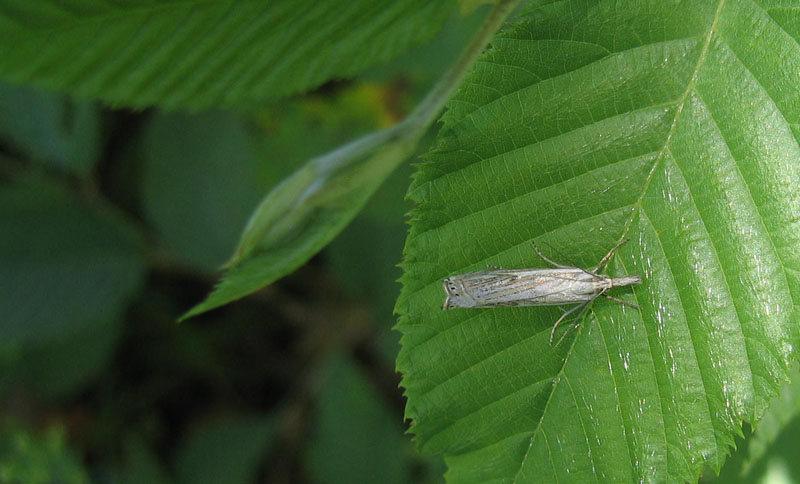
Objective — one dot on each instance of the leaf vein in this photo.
(703, 375)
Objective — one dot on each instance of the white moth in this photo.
(535, 287)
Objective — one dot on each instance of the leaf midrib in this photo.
(659, 161)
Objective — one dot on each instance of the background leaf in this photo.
(63, 266)
(50, 129)
(67, 271)
(355, 438)
(226, 451)
(30, 458)
(671, 124)
(197, 54)
(140, 466)
(784, 409)
(201, 179)
(62, 366)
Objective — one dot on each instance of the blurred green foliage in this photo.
(115, 222)
(51, 130)
(355, 437)
(28, 458)
(200, 180)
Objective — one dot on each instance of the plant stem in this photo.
(415, 124)
(427, 110)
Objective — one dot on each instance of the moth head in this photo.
(626, 281)
(455, 296)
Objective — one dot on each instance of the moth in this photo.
(559, 286)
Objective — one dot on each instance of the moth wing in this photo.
(495, 279)
(540, 285)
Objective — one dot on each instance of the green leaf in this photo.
(50, 129)
(306, 211)
(64, 266)
(672, 124)
(200, 181)
(196, 53)
(355, 438)
(227, 451)
(63, 366)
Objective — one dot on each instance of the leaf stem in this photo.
(434, 101)
(415, 124)
(307, 210)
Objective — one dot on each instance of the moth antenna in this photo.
(563, 316)
(560, 266)
(548, 260)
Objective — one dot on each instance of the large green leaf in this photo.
(672, 124)
(195, 53)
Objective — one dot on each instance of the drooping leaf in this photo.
(306, 211)
(196, 53)
(672, 124)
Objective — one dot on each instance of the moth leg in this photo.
(563, 316)
(493, 267)
(565, 334)
(608, 256)
(549, 261)
(624, 303)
